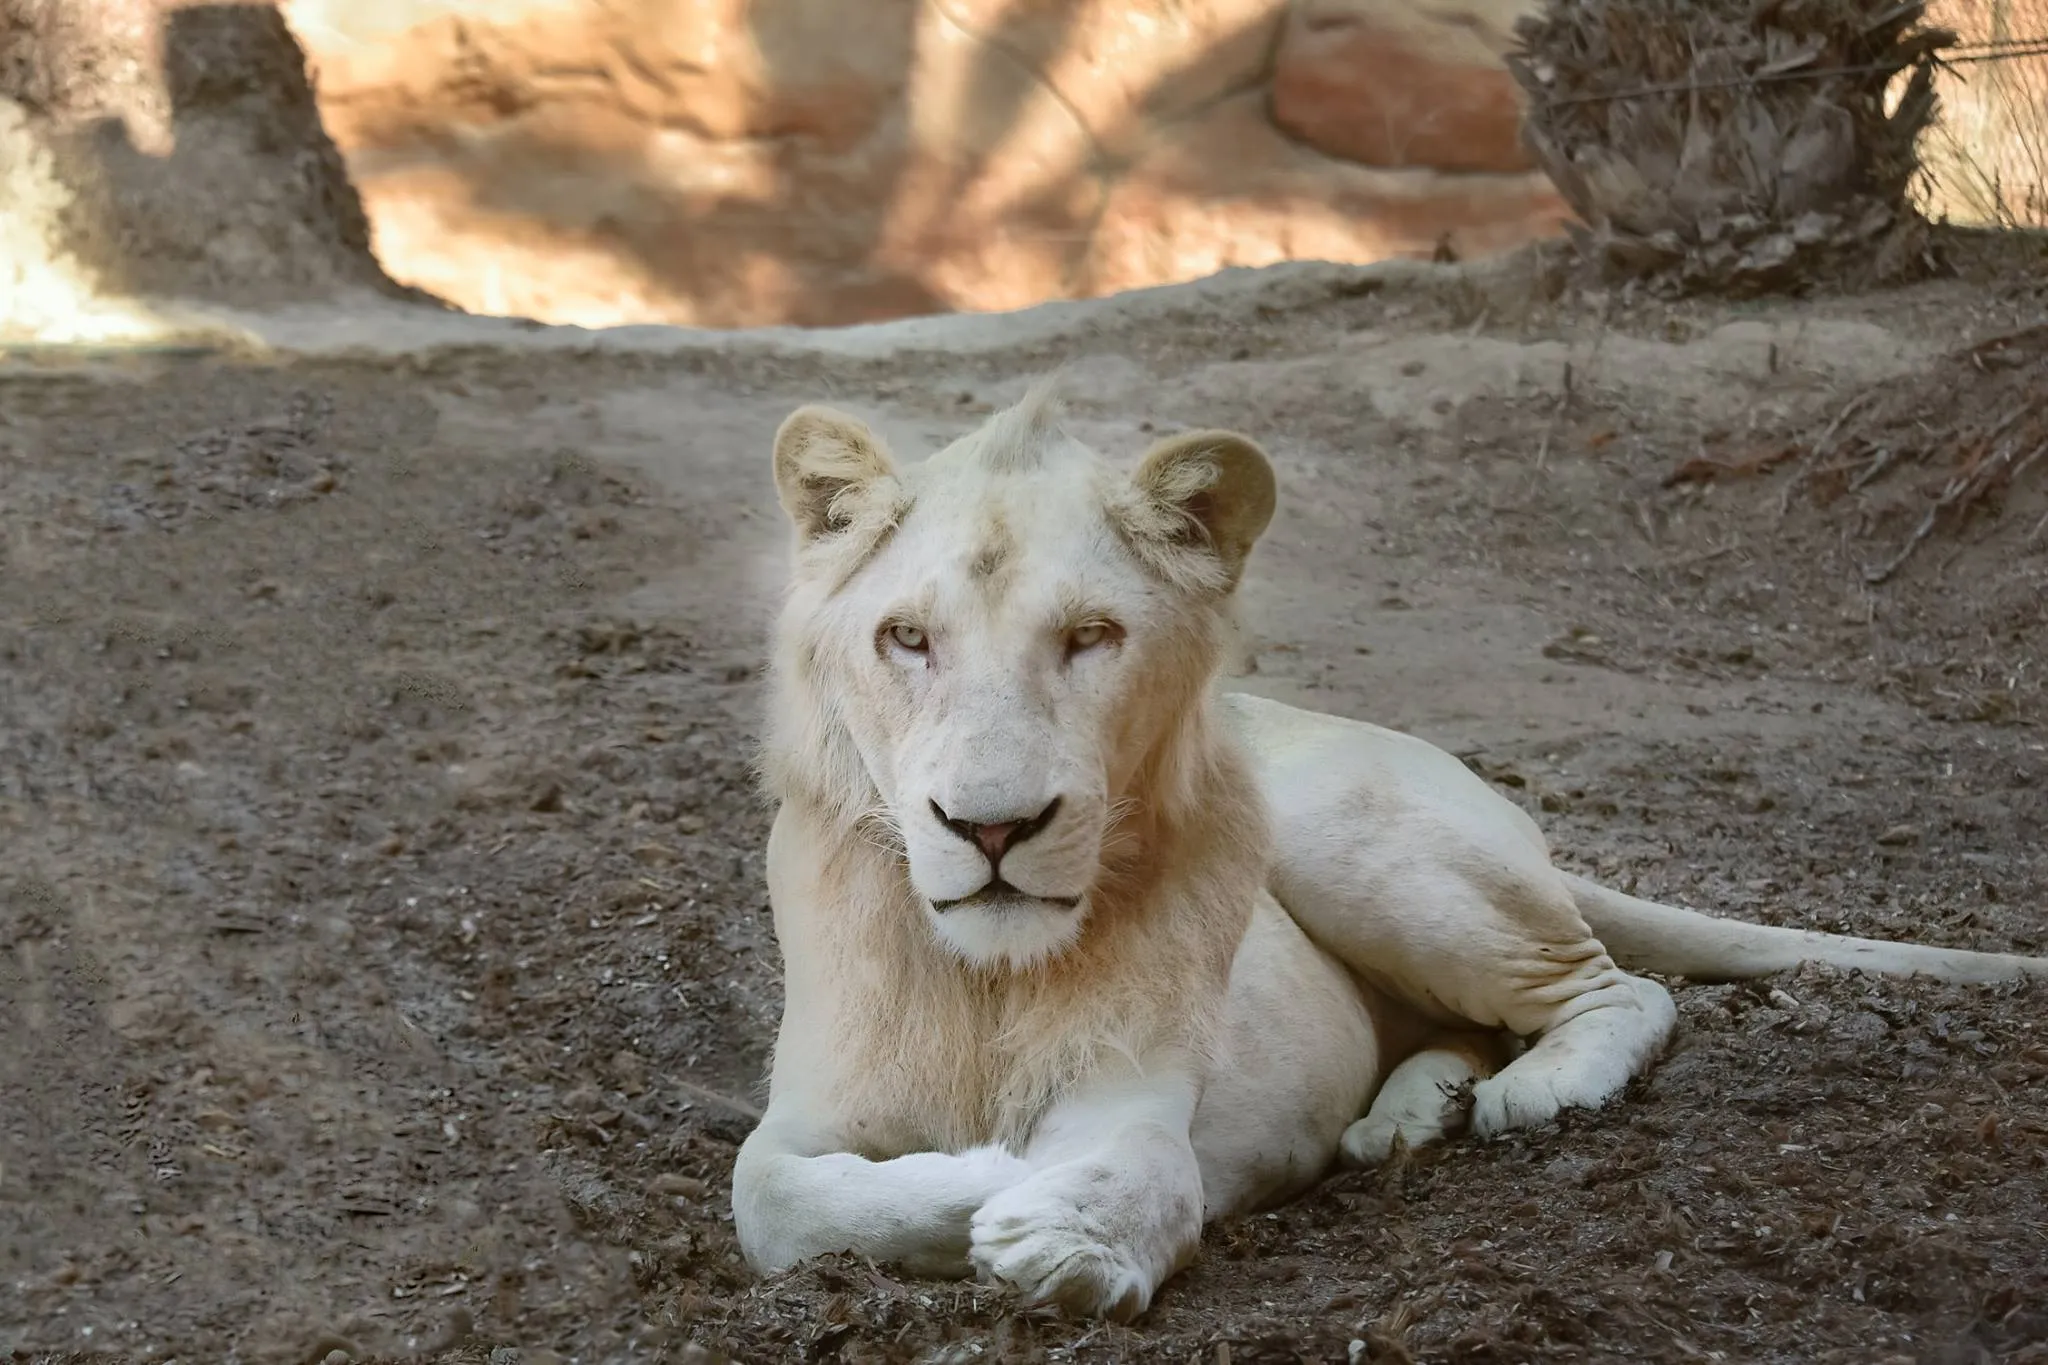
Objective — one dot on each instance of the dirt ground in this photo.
(389, 969)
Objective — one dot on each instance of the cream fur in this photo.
(1236, 941)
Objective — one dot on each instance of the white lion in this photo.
(1080, 952)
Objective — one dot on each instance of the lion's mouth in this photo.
(1000, 895)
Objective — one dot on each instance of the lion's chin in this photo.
(1007, 928)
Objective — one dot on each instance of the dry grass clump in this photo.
(1960, 438)
(1734, 146)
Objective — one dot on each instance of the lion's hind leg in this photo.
(1404, 865)
(1482, 937)
(1428, 1097)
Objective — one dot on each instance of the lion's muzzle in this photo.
(994, 839)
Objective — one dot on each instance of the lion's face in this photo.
(1005, 635)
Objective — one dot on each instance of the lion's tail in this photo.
(1647, 936)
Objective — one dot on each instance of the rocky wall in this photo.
(163, 149)
(727, 163)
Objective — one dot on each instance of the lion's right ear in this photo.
(821, 456)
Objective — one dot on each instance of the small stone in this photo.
(670, 1185)
(1899, 835)
(629, 1071)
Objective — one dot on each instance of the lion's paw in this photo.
(1583, 1064)
(1370, 1141)
(1048, 1250)
(979, 1174)
(995, 1167)
(1526, 1096)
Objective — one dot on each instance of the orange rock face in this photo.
(726, 163)
(1227, 188)
(1387, 83)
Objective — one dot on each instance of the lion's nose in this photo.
(997, 837)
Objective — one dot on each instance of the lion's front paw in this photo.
(1047, 1248)
(982, 1173)
(996, 1168)
(1370, 1141)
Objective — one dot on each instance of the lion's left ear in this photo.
(820, 456)
(1212, 490)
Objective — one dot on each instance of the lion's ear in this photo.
(820, 455)
(1214, 490)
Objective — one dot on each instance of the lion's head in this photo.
(986, 659)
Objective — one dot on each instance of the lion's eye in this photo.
(906, 636)
(1088, 636)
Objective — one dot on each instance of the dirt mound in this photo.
(153, 148)
(1955, 441)
(1898, 524)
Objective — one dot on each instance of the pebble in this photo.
(671, 1185)
(1568, 1170)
